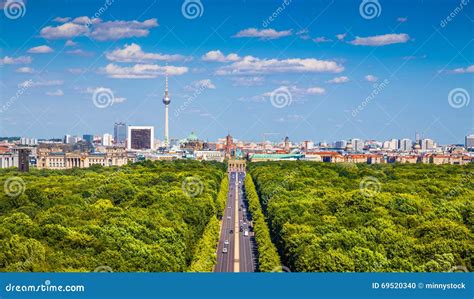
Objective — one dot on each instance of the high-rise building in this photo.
(107, 139)
(391, 144)
(469, 141)
(166, 101)
(140, 138)
(120, 133)
(405, 145)
(341, 144)
(357, 145)
(71, 139)
(427, 144)
(88, 137)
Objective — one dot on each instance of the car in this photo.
(229, 207)
(231, 231)
(246, 233)
(226, 242)
(228, 217)
(240, 209)
(224, 250)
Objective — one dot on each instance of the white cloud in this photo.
(70, 43)
(402, 19)
(66, 30)
(341, 36)
(469, 69)
(205, 83)
(248, 81)
(134, 53)
(253, 65)
(217, 55)
(371, 78)
(80, 52)
(338, 80)
(55, 93)
(141, 71)
(41, 50)
(315, 90)
(321, 39)
(62, 20)
(381, 40)
(17, 60)
(98, 30)
(25, 70)
(41, 83)
(77, 71)
(263, 33)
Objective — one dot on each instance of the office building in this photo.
(405, 145)
(469, 143)
(357, 145)
(120, 133)
(427, 144)
(88, 138)
(107, 139)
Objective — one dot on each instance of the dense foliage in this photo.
(348, 217)
(205, 257)
(147, 216)
(268, 259)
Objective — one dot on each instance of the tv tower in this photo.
(166, 101)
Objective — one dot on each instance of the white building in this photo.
(405, 145)
(357, 145)
(427, 144)
(107, 139)
(8, 160)
(469, 141)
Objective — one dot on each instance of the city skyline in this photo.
(321, 72)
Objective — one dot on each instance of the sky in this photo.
(310, 70)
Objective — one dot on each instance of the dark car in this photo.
(231, 231)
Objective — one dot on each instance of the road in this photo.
(241, 249)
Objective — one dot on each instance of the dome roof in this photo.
(192, 137)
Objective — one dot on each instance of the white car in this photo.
(224, 250)
(228, 217)
(246, 233)
(226, 242)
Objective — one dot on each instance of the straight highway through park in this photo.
(236, 231)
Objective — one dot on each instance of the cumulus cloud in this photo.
(338, 80)
(253, 65)
(371, 78)
(55, 93)
(15, 60)
(70, 43)
(263, 33)
(62, 20)
(25, 70)
(41, 50)
(217, 55)
(141, 71)
(205, 83)
(469, 69)
(98, 30)
(381, 40)
(341, 36)
(134, 53)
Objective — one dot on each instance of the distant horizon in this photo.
(322, 71)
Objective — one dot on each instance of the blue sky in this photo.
(303, 73)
